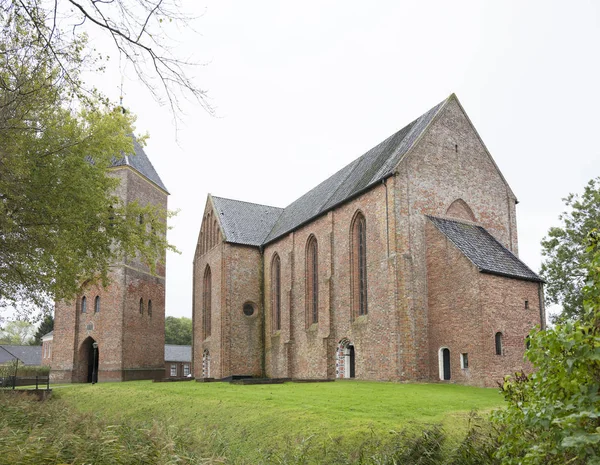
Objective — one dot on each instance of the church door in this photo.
(352, 361)
(446, 361)
(93, 356)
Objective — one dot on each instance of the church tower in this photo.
(117, 333)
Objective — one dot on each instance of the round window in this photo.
(248, 309)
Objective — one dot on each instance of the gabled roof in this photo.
(363, 173)
(252, 224)
(483, 250)
(141, 163)
(243, 222)
(175, 353)
(27, 355)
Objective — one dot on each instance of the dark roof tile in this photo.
(141, 163)
(252, 224)
(483, 250)
(28, 355)
(175, 353)
(243, 222)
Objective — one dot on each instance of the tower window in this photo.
(149, 308)
(83, 305)
(498, 343)
(97, 304)
(141, 306)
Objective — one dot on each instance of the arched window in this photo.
(97, 304)
(141, 306)
(276, 292)
(83, 305)
(209, 231)
(498, 343)
(206, 302)
(312, 281)
(358, 262)
(149, 308)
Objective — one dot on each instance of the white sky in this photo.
(301, 89)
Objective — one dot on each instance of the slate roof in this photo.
(483, 250)
(243, 222)
(141, 163)
(174, 353)
(28, 355)
(252, 224)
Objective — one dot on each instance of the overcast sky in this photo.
(301, 89)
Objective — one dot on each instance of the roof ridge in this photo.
(244, 201)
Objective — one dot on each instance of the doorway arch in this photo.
(206, 364)
(345, 364)
(444, 363)
(89, 360)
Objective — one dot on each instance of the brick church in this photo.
(117, 333)
(403, 265)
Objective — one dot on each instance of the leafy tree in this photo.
(553, 416)
(17, 332)
(178, 331)
(565, 249)
(61, 224)
(45, 327)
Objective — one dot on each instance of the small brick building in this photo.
(401, 266)
(126, 321)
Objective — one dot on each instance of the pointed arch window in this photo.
(358, 262)
(206, 302)
(149, 308)
(141, 306)
(83, 305)
(97, 304)
(276, 292)
(312, 281)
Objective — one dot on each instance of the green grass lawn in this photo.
(247, 421)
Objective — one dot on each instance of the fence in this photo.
(10, 379)
(12, 382)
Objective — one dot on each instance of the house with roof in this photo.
(24, 355)
(403, 266)
(178, 361)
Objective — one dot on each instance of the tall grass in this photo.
(51, 432)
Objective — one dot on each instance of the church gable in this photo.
(210, 231)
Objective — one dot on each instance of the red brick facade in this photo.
(423, 295)
(130, 338)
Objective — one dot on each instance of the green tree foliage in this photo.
(61, 223)
(553, 416)
(178, 331)
(565, 251)
(17, 332)
(45, 327)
